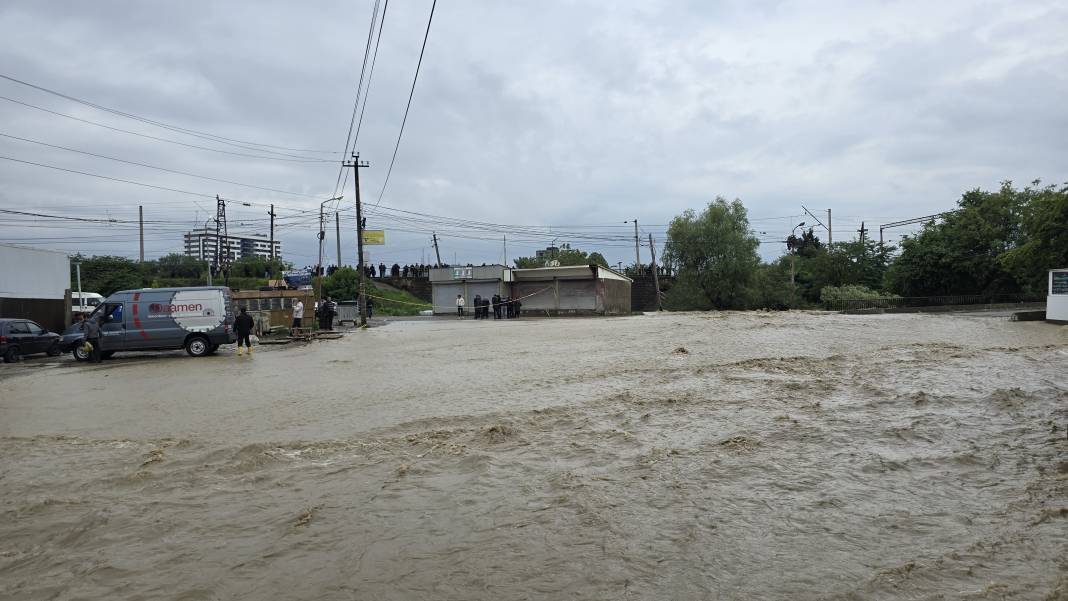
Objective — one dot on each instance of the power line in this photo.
(359, 88)
(186, 173)
(175, 128)
(409, 106)
(367, 91)
(371, 73)
(136, 183)
(167, 140)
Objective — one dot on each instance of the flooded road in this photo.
(676, 456)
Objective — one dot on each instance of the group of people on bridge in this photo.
(397, 271)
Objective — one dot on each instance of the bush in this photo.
(830, 294)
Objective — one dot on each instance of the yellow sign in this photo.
(374, 237)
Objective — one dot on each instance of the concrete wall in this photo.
(483, 272)
(615, 296)
(445, 294)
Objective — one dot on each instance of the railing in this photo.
(904, 302)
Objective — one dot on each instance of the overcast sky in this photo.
(576, 115)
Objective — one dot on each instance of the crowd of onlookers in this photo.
(504, 307)
(398, 271)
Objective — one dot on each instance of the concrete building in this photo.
(571, 290)
(1057, 300)
(35, 284)
(201, 244)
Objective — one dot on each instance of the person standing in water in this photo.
(243, 328)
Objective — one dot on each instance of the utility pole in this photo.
(505, 238)
(271, 213)
(141, 228)
(829, 238)
(637, 255)
(319, 263)
(656, 276)
(337, 229)
(356, 165)
(863, 230)
(222, 240)
(81, 299)
(437, 252)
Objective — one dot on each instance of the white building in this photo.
(1057, 300)
(35, 284)
(201, 244)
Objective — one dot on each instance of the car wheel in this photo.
(12, 354)
(53, 351)
(197, 346)
(79, 353)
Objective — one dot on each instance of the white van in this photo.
(84, 302)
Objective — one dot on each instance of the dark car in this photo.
(21, 337)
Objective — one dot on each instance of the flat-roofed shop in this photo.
(570, 290)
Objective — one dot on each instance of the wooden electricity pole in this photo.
(656, 276)
(356, 165)
(141, 228)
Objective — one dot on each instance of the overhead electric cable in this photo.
(167, 140)
(411, 94)
(175, 128)
(110, 158)
(359, 88)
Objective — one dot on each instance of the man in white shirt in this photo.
(298, 313)
(460, 306)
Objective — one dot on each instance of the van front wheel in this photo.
(197, 346)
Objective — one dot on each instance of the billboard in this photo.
(374, 237)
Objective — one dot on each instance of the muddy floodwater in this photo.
(673, 456)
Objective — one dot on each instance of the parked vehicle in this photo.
(91, 301)
(21, 337)
(197, 319)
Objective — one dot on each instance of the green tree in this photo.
(566, 255)
(960, 255)
(343, 284)
(108, 274)
(852, 263)
(1044, 225)
(714, 253)
(179, 266)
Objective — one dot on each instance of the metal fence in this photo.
(905, 302)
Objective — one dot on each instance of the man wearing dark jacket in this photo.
(243, 328)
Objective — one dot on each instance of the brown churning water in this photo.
(676, 456)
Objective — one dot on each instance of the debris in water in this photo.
(681, 351)
(154, 456)
(305, 517)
